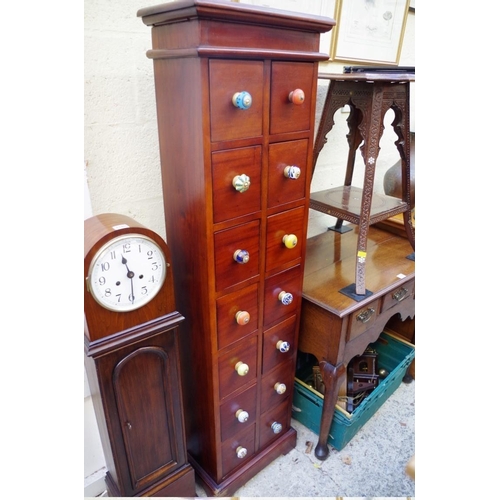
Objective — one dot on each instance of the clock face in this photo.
(127, 272)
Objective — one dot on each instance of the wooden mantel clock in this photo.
(132, 358)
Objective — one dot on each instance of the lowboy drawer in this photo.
(363, 319)
(403, 292)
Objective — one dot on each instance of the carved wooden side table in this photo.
(370, 96)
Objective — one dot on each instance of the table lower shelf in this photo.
(344, 202)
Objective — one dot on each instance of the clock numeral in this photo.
(154, 266)
(126, 248)
(102, 280)
(150, 254)
(144, 290)
(131, 298)
(112, 254)
(107, 292)
(105, 266)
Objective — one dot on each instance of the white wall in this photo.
(121, 143)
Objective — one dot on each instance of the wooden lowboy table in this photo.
(335, 327)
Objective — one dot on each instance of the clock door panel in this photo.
(141, 384)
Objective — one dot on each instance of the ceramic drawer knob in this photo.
(291, 172)
(297, 97)
(241, 452)
(282, 346)
(290, 240)
(241, 183)
(276, 427)
(241, 256)
(242, 100)
(241, 368)
(242, 317)
(242, 416)
(285, 298)
(280, 388)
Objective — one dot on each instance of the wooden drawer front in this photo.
(244, 403)
(229, 379)
(289, 281)
(274, 423)
(229, 449)
(285, 78)
(228, 272)
(290, 222)
(280, 336)
(228, 122)
(235, 165)
(232, 312)
(363, 319)
(272, 385)
(403, 292)
(284, 188)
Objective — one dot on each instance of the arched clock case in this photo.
(132, 358)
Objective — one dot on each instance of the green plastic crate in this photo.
(394, 355)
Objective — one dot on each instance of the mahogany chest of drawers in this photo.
(236, 91)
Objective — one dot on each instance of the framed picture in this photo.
(369, 31)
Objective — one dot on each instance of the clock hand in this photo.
(130, 274)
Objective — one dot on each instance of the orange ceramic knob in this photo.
(242, 317)
(297, 96)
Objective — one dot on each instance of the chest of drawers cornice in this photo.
(236, 93)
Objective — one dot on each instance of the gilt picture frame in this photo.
(369, 31)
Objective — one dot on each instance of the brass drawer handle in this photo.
(365, 316)
(400, 294)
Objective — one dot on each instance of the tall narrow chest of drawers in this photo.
(235, 92)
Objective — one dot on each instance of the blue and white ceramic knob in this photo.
(292, 172)
(242, 100)
(285, 298)
(241, 256)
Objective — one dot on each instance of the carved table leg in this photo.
(332, 378)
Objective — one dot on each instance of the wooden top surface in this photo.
(330, 266)
(369, 77)
(226, 10)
